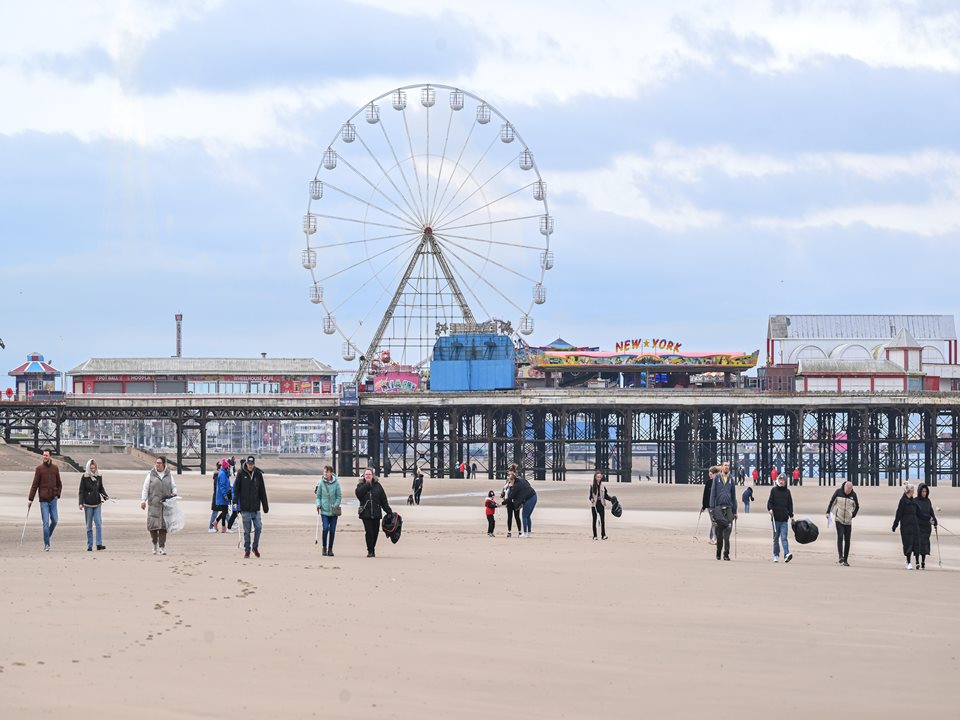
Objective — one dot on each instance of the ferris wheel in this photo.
(426, 215)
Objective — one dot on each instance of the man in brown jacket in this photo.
(46, 480)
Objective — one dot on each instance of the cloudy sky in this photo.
(708, 163)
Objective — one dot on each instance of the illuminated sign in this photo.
(648, 344)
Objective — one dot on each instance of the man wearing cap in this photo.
(249, 493)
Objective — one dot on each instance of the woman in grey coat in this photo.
(157, 487)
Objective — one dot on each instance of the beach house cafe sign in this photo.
(651, 345)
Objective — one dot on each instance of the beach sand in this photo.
(449, 623)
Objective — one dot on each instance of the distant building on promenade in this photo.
(34, 378)
(203, 376)
(861, 353)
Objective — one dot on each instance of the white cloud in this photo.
(535, 51)
(548, 50)
(631, 187)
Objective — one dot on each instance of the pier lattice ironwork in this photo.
(671, 437)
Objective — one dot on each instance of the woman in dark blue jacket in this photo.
(524, 497)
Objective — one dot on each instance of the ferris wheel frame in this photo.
(421, 218)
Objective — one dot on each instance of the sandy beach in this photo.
(450, 623)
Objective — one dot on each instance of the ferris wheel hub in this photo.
(428, 230)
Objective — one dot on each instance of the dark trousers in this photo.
(159, 537)
(233, 517)
(416, 495)
(222, 517)
(598, 510)
(491, 523)
(371, 529)
(723, 533)
(512, 513)
(843, 540)
(329, 531)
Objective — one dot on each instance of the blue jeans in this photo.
(746, 506)
(527, 511)
(213, 516)
(329, 530)
(780, 534)
(254, 518)
(48, 513)
(93, 515)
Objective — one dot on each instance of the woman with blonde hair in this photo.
(92, 496)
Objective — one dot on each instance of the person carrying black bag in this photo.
(598, 496)
(373, 503)
(723, 503)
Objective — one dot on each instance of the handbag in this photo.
(337, 511)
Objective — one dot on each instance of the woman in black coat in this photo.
(909, 527)
(926, 520)
(373, 503)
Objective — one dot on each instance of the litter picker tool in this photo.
(696, 533)
(939, 560)
(24, 531)
(316, 537)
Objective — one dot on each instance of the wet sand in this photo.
(451, 623)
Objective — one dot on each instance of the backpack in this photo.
(805, 531)
(616, 509)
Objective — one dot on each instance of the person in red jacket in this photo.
(774, 474)
(490, 506)
(46, 481)
(796, 476)
(755, 475)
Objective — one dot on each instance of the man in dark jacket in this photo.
(780, 508)
(723, 505)
(46, 481)
(373, 503)
(249, 494)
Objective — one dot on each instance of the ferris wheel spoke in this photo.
(468, 176)
(453, 168)
(521, 246)
(401, 218)
(488, 259)
(409, 234)
(413, 160)
(367, 260)
(418, 212)
(486, 205)
(375, 276)
(492, 222)
(364, 222)
(443, 157)
(412, 216)
(484, 280)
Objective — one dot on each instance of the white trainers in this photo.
(788, 558)
(155, 549)
(163, 551)
(523, 535)
(211, 530)
(908, 566)
(776, 559)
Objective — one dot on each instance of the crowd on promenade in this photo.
(239, 490)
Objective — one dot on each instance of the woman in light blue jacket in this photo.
(328, 507)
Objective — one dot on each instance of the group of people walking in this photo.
(246, 496)
(915, 516)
